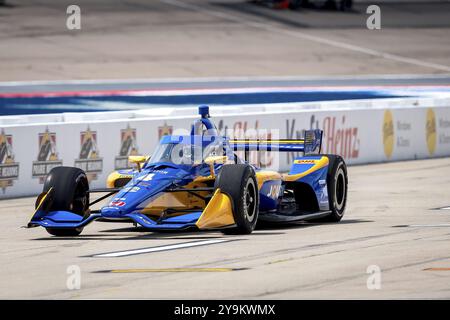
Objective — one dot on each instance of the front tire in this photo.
(238, 181)
(70, 193)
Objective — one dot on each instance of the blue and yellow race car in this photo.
(197, 181)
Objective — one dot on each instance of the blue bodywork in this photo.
(316, 179)
(145, 186)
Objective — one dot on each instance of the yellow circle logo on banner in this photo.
(430, 130)
(388, 133)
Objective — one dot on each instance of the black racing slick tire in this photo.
(70, 193)
(238, 181)
(337, 186)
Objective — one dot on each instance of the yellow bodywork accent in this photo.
(218, 212)
(213, 160)
(41, 201)
(137, 159)
(264, 176)
(176, 200)
(204, 178)
(216, 159)
(113, 176)
(318, 164)
(261, 177)
(164, 201)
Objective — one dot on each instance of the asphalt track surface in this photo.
(218, 38)
(391, 222)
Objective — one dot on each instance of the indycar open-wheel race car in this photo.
(197, 181)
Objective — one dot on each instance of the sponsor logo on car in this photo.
(160, 171)
(117, 203)
(147, 177)
(9, 169)
(274, 191)
(89, 159)
(131, 189)
(128, 147)
(47, 158)
(309, 161)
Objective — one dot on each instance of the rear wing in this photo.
(310, 144)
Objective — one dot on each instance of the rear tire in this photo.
(70, 193)
(238, 181)
(337, 186)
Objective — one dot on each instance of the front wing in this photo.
(217, 214)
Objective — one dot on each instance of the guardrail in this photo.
(363, 131)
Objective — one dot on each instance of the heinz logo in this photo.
(340, 138)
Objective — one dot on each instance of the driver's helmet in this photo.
(192, 153)
(213, 149)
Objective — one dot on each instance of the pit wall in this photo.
(360, 131)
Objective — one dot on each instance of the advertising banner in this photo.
(388, 132)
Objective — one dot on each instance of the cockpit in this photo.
(203, 142)
(188, 150)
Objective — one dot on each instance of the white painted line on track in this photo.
(297, 34)
(160, 248)
(429, 225)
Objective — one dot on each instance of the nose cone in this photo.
(111, 212)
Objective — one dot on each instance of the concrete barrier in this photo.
(363, 131)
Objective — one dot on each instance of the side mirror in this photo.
(138, 160)
(211, 161)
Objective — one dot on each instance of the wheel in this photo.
(238, 181)
(337, 182)
(70, 193)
